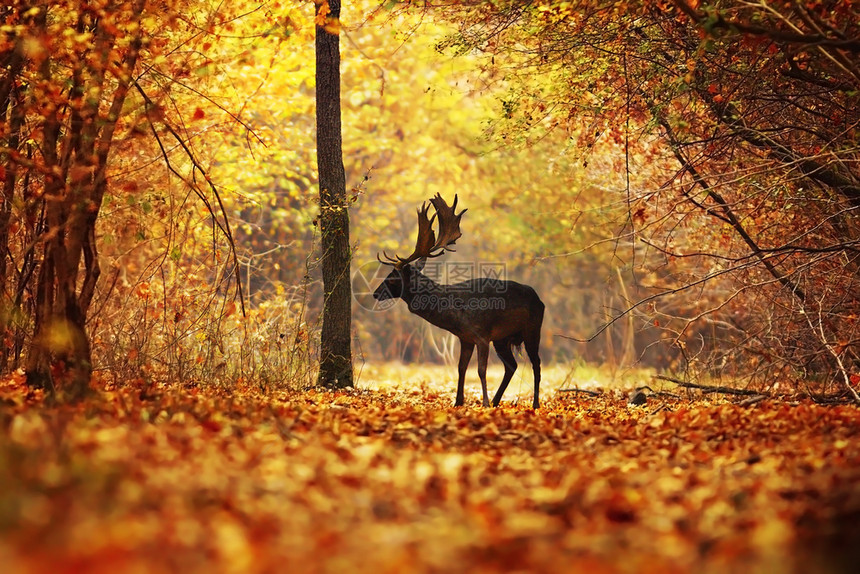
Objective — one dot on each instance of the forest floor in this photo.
(392, 478)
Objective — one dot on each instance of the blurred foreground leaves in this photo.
(399, 481)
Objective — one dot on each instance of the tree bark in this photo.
(77, 142)
(335, 340)
(12, 120)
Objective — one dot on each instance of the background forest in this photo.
(686, 174)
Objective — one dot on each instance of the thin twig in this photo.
(225, 228)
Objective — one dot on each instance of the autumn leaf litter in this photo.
(399, 481)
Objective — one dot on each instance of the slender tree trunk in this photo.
(335, 344)
(12, 120)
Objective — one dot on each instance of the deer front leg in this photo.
(465, 356)
(483, 356)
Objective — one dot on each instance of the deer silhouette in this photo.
(478, 312)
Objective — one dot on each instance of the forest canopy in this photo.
(736, 126)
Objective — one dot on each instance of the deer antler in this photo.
(427, 245)
(449, 223)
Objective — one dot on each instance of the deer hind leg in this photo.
(483, 357)
(505, 353)
(465, 356)
(532, 350)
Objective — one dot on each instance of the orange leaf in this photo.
(322, 13)
(142, 290)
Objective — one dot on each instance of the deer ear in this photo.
(419, 265)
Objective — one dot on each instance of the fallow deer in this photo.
(478, 312)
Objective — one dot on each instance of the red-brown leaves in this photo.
(373, 481)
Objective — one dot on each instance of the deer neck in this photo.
(420, 294)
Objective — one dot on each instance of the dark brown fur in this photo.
(478, 312)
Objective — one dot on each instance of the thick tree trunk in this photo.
(77, 143)
(59, 358)
(335, 344)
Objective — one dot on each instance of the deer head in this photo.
(426, 246)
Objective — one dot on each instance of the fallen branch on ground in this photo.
(710, 388)
(752, 400)
(584, 391)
